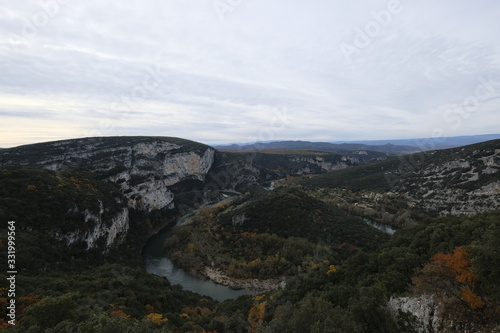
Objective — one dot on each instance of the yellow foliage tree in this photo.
(191, 247)
(157, 318)
(256, 316)
(331, 269)
(258, 298)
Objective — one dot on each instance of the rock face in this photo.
(428, 316)
(143, 168)
(323, 164)
(240, 172)
(276, 166)
(113, 231)
(254, 285)
(423, 308)
(453, 182)
(153, 170)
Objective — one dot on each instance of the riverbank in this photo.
(254, 285)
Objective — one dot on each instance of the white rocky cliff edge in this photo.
(143, 168)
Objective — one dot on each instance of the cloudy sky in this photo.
(221, 71)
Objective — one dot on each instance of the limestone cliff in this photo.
(455, 182)
(96, 228)
(423, 308)
(143, 168)
(429, 316)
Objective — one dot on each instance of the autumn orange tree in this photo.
(256, 316)
(451, 274)
(120, 314)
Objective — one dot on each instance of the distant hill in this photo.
(342, 148)
(390, 147)
(269, 165)
(429, 143)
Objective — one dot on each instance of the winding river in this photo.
(157, 263)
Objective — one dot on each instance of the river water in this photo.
(380, 226)
(157, 263)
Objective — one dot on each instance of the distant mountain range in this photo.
(430, 143)
(390, 147)
(342, 148)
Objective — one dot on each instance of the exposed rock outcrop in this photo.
(448, 183)
(423, 308)
(112, 231)
(429, 316)
(143, 168)
(254, 285)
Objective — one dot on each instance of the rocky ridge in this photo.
(114, 233)
(427, 315)
(458, 181)
(144, 169)
(466, 183)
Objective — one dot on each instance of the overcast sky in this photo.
(222, 71)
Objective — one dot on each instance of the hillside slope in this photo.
(464, 180)
(73, 210)
(268, 235)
